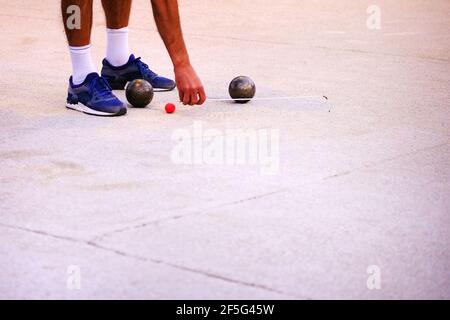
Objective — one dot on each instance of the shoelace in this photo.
(100, 87)
(144, 69)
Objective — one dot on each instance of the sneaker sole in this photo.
(163, 90)
(122, 86)
(82, 108)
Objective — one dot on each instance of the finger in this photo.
(194, 97)
(180, 94)
(186, 97)
(202, 95)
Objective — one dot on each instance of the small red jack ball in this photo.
(170, 108)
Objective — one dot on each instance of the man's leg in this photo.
(77, 19)
(88, 92)
(117, 17)
(120, 66)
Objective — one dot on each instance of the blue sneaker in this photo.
(132, 70)
(94, 96)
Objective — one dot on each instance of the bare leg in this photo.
(77, 19)
(82, 36)
(117, 13)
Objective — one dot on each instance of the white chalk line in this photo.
(325, 98)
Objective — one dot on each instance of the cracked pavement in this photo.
(363, 183)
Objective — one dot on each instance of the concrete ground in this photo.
(353, 201)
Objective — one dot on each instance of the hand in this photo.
(189, 86)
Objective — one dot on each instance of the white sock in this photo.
(117, 50)
(81, 63)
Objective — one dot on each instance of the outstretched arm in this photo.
(167, 20)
